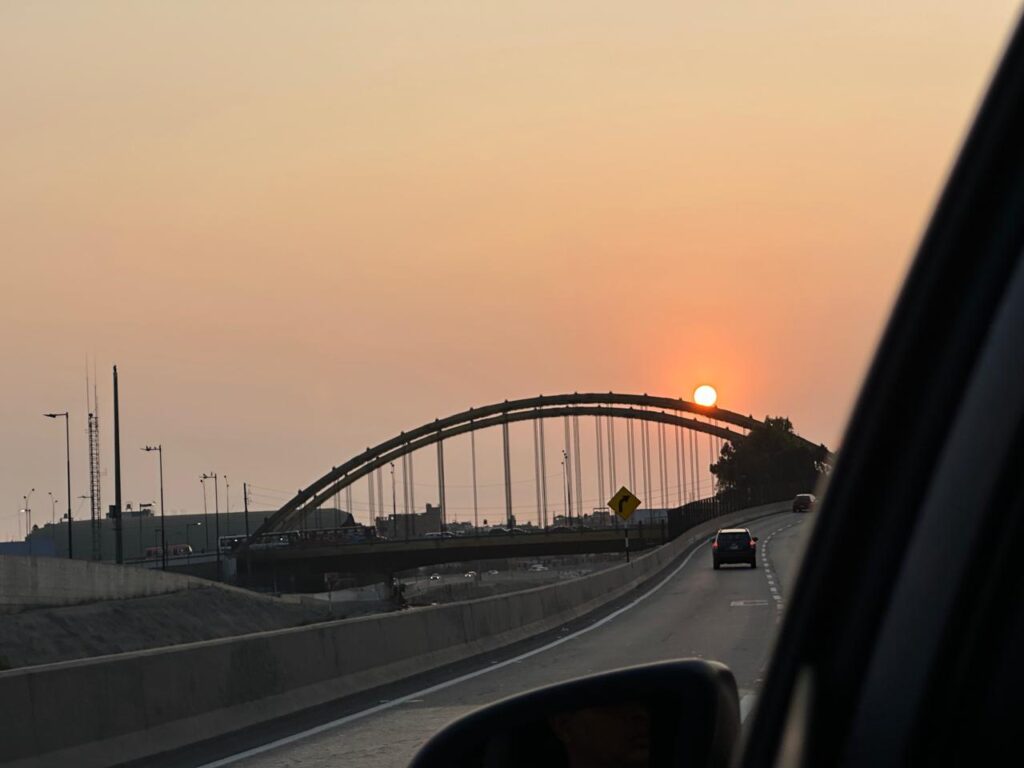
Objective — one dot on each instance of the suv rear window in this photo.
(733, 538)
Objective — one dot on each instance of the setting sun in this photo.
(705, 395)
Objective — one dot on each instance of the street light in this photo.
(163, 539)
(568, 490)
(28, 516)
(216, 512)
(394, 506)
(67, 443)
(53, 508)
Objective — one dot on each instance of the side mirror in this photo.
(677, 713)
(755, 538)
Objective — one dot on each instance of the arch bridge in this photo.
(689, 420)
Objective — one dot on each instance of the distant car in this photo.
(538, 567)
(734, 545)
(560, 529)
(492, 573)
(497, 531)
(435, 577)
(804, 502)
(469, 575)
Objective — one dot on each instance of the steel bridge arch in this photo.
(625, 406)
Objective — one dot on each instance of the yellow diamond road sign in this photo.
(624, 503)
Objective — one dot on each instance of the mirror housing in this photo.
(677, 713)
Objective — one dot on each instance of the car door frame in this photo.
(858, 569)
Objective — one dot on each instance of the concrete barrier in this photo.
(108, 710)
(29, 582)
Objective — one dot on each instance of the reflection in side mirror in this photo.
(678, 713)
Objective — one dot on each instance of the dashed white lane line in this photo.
(768, 570)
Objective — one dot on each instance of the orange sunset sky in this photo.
(298, 228)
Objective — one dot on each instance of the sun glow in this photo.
(705, 395)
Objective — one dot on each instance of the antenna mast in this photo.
(94, 467)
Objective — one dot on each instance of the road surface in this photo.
(730, 615)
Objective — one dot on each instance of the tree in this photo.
(769, 464)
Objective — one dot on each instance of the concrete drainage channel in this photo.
(114, 709)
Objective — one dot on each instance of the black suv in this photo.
(804, 502)
(734, 545)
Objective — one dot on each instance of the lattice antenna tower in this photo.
(95, 503)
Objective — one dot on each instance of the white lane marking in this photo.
(746, 603)
(447, 683)
(746, 705)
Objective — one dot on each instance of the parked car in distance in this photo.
(734, 545)
(435, 577)
(538, 567)
(492, 573)
(469, 575)
(804, 502)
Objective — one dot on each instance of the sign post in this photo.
(624, 504)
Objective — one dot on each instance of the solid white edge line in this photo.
(252, 752)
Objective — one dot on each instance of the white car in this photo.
(469, 575)
(538, 567)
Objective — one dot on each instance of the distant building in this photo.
(411, 526)
(33, 547)
(141, 531)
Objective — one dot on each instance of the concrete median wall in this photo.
(107, 710)
(27, 582)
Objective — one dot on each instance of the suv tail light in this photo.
(753, 544)
(714, 544)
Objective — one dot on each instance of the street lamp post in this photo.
(159, 448)
(67, 445)
(216, 512)
(568, 489)
(53, 508)
(28, 517)
(394, 506)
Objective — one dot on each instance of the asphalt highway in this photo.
(729, 615)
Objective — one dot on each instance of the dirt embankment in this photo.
(45, 635)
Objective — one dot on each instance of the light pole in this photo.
(28, 517)
(216, 512)
(159, 448)
(53, 508)
(67, 445)
(206, 515)
(568, 490)
(394, 506)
